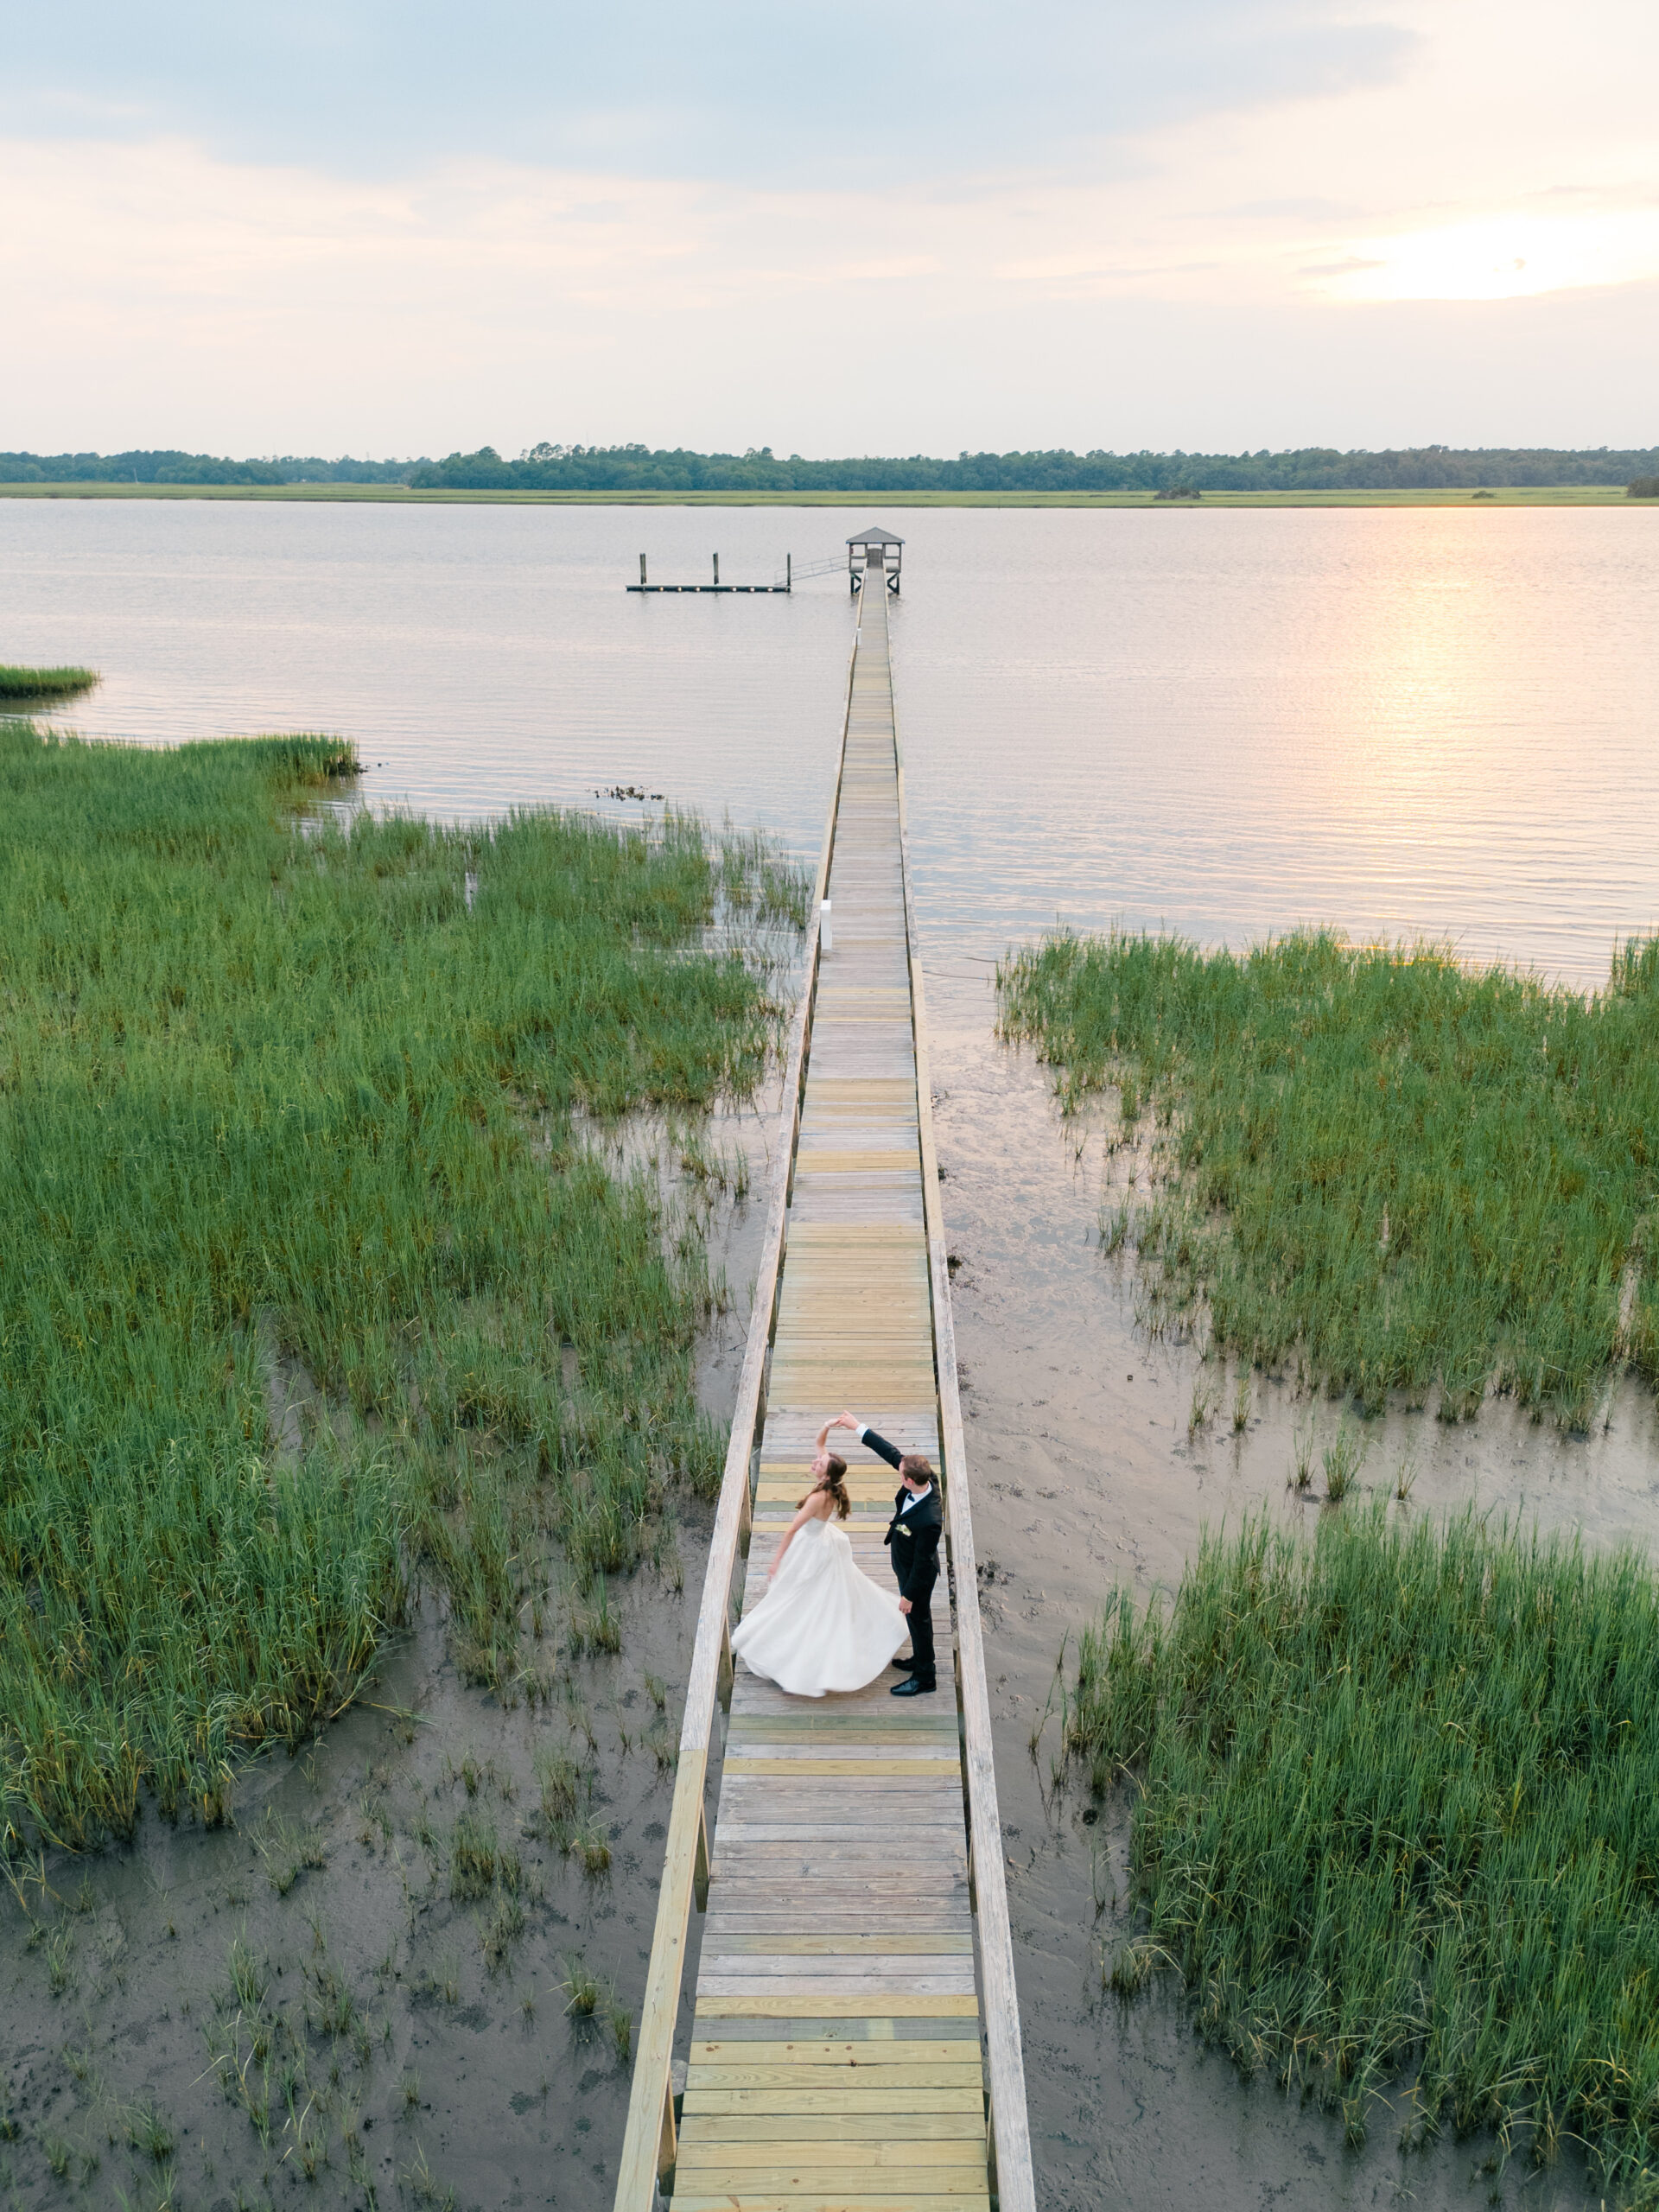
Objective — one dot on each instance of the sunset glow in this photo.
(1502, 257)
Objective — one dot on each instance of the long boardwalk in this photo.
(842, 2042)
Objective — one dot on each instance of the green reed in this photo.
(272, 1098)
(1398, 1819)
(46, 682)
(1416, 1177)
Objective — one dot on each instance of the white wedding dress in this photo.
(822, 1624)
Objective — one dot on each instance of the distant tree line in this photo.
(194, 468)
(1310, 468)
(643, 469)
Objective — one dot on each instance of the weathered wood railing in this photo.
(648, 2145)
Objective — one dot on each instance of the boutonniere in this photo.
(902, 1529)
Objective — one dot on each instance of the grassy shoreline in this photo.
(1394, 1821)
(273, 1101)
(17, 683)
(1575, 495)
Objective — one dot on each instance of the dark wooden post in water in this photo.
(848, 2047)
(716, 572)
(642, 572)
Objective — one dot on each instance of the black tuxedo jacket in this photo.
(912, 1538)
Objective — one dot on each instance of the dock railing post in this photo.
(789, 572)
(716, 572)
(1010, 2125)
(642, 572)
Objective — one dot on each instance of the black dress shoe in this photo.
(913, 1688)
(907, 1660)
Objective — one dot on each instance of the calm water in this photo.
(1226, 721)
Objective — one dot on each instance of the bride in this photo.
(822, 1624)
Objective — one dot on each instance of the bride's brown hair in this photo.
(834, 1479)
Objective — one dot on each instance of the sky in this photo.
(918, 228)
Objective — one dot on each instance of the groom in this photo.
(913, 1541)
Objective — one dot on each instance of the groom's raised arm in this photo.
(868, 1437)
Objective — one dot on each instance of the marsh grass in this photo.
(1397, 1819)
(583, 1989)
(501, 1931)
(148, 2130)
(1413, 1176)
(473, 1858)
(1243, 1394)
(595, 1627)
(288, 1850)
(46, 682)
(1342, 1459)
(260, 1090)
(592, 1847)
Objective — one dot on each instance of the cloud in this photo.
(738, 90)
(1210, 224)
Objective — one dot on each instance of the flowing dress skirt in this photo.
(822, 1624)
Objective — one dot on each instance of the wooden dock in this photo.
(854, 2044)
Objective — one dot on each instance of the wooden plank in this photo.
(844, 1944)
(809, 1725)
(930, 1733)
(784, 2166)
(773, 2101)
(818, 1994)
(746, 1965)
(766, 2089)
(746, 1923)
(890, 1836)
(918, 1765)
(701, 2130)
(862, 1838)
(910, 1856)
(837, 2200)
(764, 1893)
(879, 2053)
(743, 1907)
(834, 2004)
